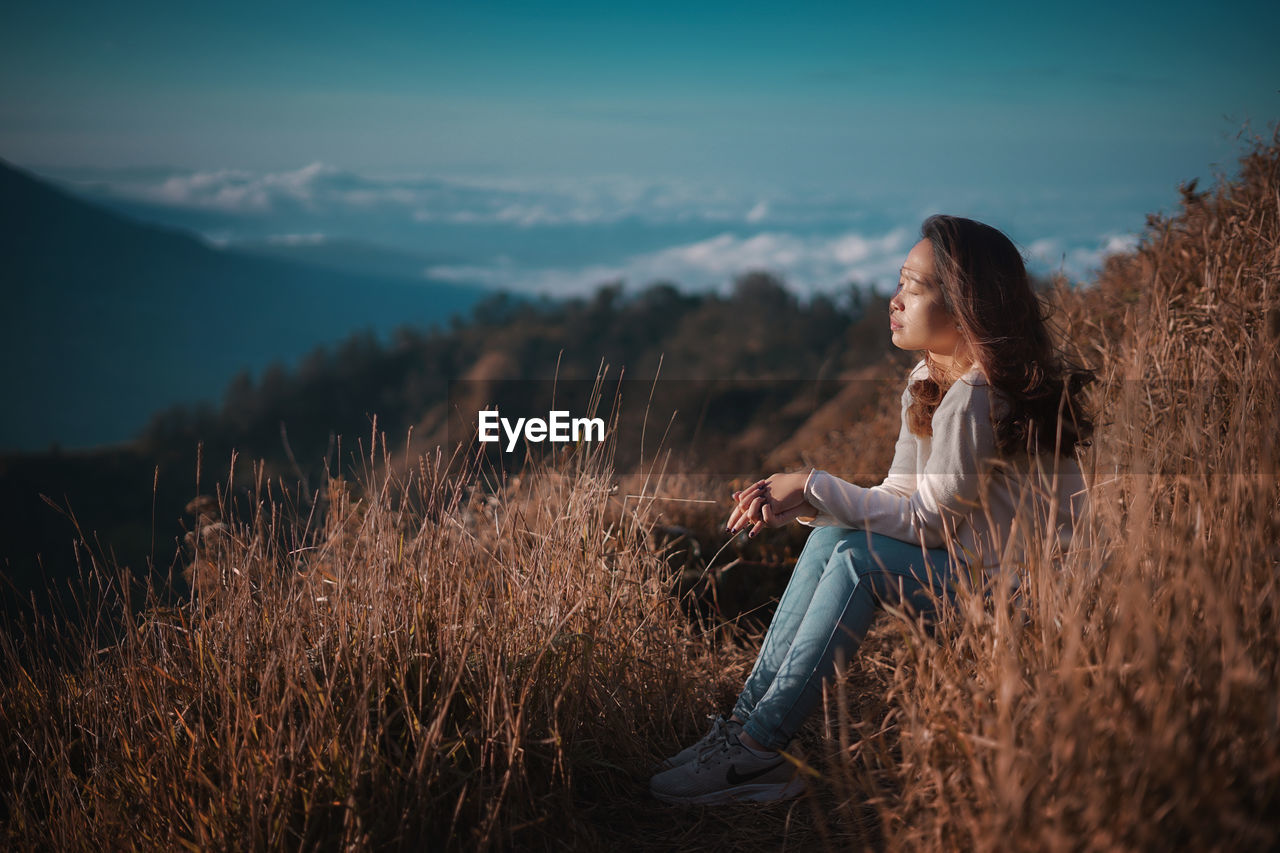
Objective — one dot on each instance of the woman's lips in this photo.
(894, 325)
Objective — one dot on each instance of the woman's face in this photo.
(917, 316)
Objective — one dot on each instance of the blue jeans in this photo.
(840, 578)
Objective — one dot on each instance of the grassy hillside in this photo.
(1135, 707)
(427, 663)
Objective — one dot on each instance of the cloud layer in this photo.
(560, 236)
(1054, 255)
(319, 188)
(809, 264)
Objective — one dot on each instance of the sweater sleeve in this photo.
(902, 471)
(945, 491)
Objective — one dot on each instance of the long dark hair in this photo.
(985, 285)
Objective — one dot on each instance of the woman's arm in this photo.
(902, 471)
(946, 490)
(784, 499)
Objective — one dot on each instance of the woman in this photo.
(991, 420)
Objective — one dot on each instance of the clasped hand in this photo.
(771, 502)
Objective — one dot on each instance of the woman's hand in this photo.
(773, 502)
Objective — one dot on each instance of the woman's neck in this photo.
(949, 367)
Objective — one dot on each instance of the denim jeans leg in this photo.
(786, 619)
(865, 571)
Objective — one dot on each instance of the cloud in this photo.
(1120, 243)
(317, 188)
(1045, 249)
(854, 250)
(297, 239)
(817, 238)
(237, 191)
(556, 282)
(809, 264)
(1078, 262)
(322, 190)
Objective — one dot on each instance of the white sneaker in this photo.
(719, 725)
(728, 772)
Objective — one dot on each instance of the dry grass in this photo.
(1132, 701)
(416, 669)
(419, 668)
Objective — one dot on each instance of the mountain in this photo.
(106, 319)
(352, 256)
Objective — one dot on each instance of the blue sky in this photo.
(1062, 124)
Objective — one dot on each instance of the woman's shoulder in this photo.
(920, 371)
(974, 380)
(970, 393)
(974, 376)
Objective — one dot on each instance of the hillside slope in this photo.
(107, 320)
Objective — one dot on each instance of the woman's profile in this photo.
(985, 464)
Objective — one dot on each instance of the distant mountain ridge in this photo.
(343, 255)
(107, 320)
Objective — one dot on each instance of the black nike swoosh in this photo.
(733, 777)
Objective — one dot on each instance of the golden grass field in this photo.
(432, 669)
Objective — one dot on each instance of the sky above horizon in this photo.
(1101, 108)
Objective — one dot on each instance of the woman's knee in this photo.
(851, 556)
(918, 593)
(817, 549)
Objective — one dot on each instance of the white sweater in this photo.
(936, 487)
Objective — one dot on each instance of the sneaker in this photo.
(728, 772)
(719, 725)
